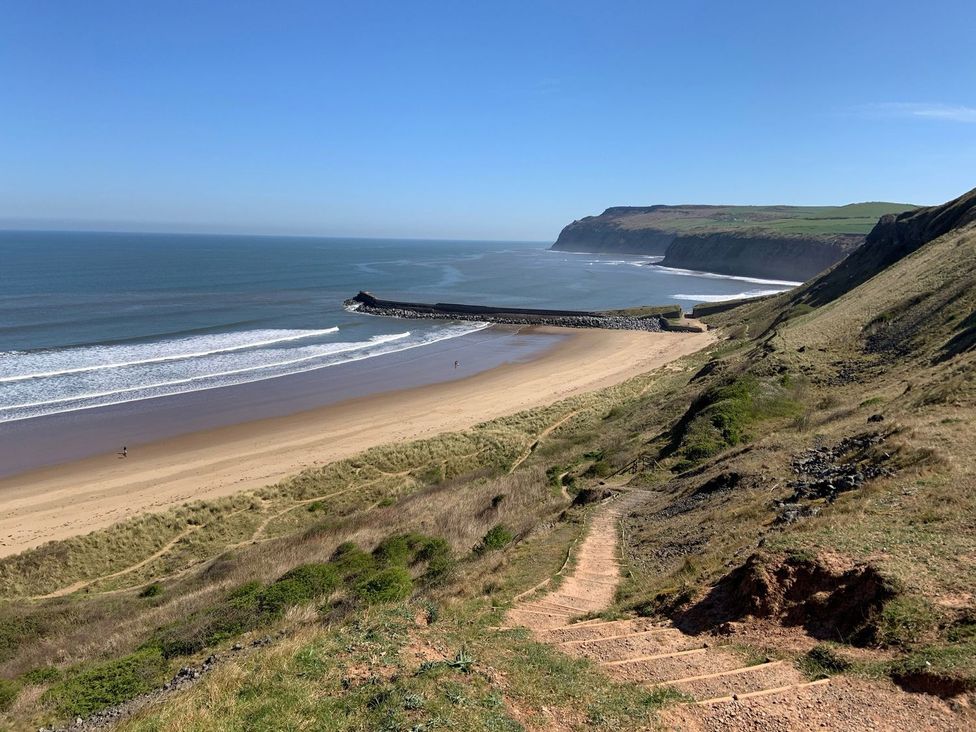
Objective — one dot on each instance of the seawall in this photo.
(366, 302)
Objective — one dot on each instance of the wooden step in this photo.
(766, 677)
(597, 623)
(762, 692)
(652, 631)
(672, 663)
(540, 612)
(733, 672)
(549, 605)
(560, 598)
(655, 657)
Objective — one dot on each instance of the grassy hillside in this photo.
(774, 242)
(810, 497)
(854, 218)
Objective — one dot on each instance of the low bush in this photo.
(385, 585)
(599, 469)
(498, 537)
(16, 630)
(93, 687)
(301, 584)
(822, 661)
(8, 694)
(906, 621)
(153, 590)
(352, 562)
(721, 417)
(42, 675)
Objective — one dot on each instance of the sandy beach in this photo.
(81, 496)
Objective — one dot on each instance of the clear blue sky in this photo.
(472, 119)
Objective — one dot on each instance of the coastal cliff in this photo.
(774, 242)
(757, 254)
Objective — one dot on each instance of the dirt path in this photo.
(725, 690)
(589, 585)
(541, 436)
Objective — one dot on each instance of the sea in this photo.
(91, 319)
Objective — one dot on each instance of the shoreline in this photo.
(48, 440)
(74, 498)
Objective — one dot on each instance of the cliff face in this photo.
(893, 238)
(604, 235)
(768, 256)
(771, 242)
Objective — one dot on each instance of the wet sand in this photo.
(80, 496)
(60, 438)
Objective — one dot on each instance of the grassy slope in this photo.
(855, 218)
(897, 346)
(454, 487)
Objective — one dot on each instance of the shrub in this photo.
(497, 537)
(821, 661)
(97, 686)
(16, 630)
(721, 417)
(352, 562)
(385, 585)
(153, 590)
(599, 469)
(798, 310)
(41, 675)
(439, 570)
(395, 550)
(301, 584)
(906, 621)
(8, 693)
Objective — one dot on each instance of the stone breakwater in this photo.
(364, 302)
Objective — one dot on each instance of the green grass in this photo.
(724, 414)
(822, 661)
(96, 686)
(378, 477)
(364, 674)
(385, 585)
(497, 537)
(8, 693)
(857, 218)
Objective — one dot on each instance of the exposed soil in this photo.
(830, 597)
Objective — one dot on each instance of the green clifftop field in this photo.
(785, 242)
(807, 495)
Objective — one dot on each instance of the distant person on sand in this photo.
(456, 364)
(125, 451)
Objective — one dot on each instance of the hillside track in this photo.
(722, 689)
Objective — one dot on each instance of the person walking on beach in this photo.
(456, 364)
(125, 451)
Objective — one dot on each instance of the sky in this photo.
(475, 120)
